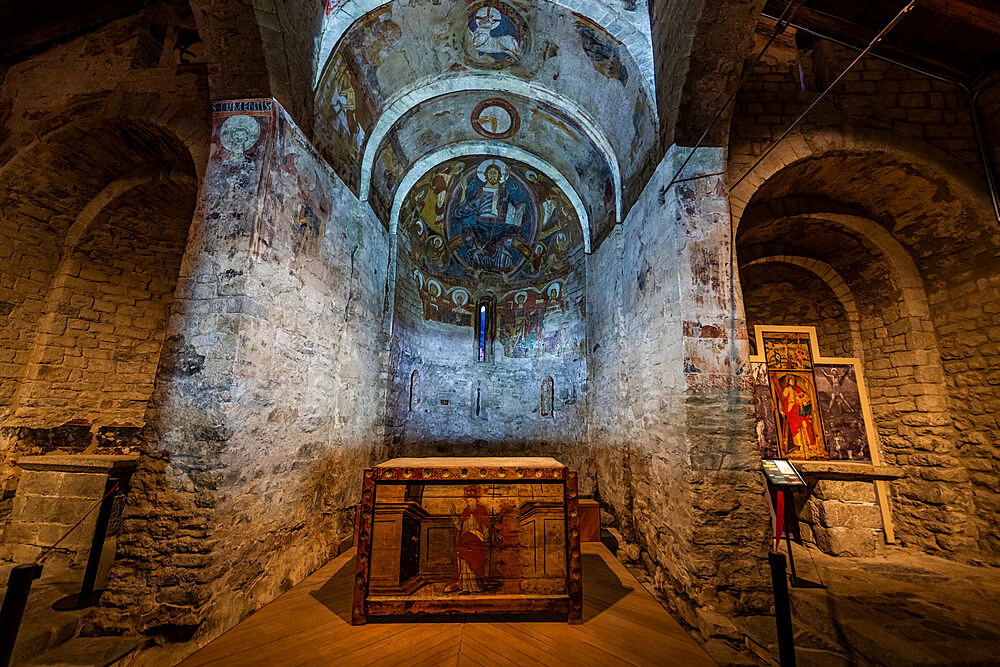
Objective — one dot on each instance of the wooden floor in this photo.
(310, 625)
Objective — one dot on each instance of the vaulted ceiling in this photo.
(404, 87)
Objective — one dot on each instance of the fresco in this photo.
(495, 118)
(441, 540)
(495, 35)
(348, 120)
(481, 224)
(539, 128)
(602, 49)
(401, 47)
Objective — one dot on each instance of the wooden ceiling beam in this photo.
(858, 35)
(983, 14)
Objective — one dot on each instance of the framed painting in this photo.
(812, 408)
(443, 535)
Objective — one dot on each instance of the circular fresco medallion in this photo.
(238, 133)
(494, 36)
(495, 118)
(492, 219)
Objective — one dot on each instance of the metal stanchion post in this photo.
(14, 602)
(782, 610)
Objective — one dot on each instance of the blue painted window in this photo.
(482, 332)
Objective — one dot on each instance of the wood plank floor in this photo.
(310, 625)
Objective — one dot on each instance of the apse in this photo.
(488, 334)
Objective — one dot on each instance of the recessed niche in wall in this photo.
(547, 398)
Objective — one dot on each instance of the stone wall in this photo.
(102, 136)
(269, 399)
(670, 430)
(874, 95)
(440, 419)
(888, 164)
(106, 312)
(779, 293)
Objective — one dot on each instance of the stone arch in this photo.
(638, 44)
(114, 190)
(815, 143)
(169, 116)
(431, 160)
(113, 162)
(409, 98)
(834, 281)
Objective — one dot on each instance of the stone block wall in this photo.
(441, 420)
(842, 518)
(106, 313)
(47, 505)
(668, 408)
(889, 158)
(101, 140)
(778, 293)
(874, 95)
(270, 395)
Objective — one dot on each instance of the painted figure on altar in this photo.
(799, 426)
(471, 545)
(492, 210)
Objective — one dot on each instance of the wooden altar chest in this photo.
(468, 535)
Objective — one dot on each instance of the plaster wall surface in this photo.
(668, 407)
(440, 418)
(269, 399)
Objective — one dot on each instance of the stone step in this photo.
(88, 652)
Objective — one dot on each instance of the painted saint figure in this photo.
(797, 408)
(471, 545)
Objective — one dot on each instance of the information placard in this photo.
(782, 473)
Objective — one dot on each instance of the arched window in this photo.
(414, 384)
(485, 328)
(548, 396)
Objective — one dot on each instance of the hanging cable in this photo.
(779, 28)
(840, 76)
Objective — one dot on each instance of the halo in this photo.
(481, 169)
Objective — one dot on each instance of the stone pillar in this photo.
(725, 504)
(268, 401)
(673, 401)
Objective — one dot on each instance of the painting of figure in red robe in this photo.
(442, 541)
(793, 396)
(472, 545)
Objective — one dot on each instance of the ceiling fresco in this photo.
(405, 80)
(537, 127)
(480, 222)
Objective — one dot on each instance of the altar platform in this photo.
(311, 625)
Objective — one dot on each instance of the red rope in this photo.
(46, 553)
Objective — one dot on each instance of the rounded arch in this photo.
(115, 189)
(638, 44)
(179, 121)
(834, 281)
(410, 97)
(431, 160)
(902, 268)
(814, 144)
